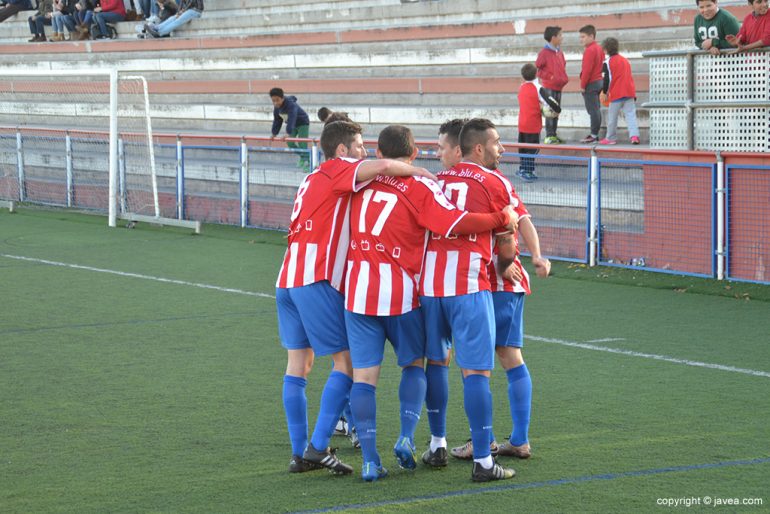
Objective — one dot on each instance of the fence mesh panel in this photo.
(656, 215)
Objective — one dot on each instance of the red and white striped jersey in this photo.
(389, 219)
(320, 229)
(457, 265)
(498, 283)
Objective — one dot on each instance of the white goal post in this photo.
(97, 106)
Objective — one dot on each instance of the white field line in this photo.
(137, 275)
(573, 344)
(606, 340)
(686, 362)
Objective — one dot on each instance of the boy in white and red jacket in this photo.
(552, 72)
(619, 90)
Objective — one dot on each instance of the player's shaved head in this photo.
(396, 142)
(338, 133)
(474, 132)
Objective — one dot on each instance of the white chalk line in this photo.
(572, 344)
(653, 356)
(138, 275)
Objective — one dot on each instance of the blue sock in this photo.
(363, 403)
(411, 393)
(437, 398)
(520, 398)
(349, 415)
(295, 405)
(478, 408)
(333, 399)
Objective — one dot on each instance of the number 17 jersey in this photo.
(388, 225)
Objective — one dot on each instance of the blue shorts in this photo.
(367, 334)
(509, 318)
(312, 317)
(466, 319)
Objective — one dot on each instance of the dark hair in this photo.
(529, 71)
(551, 32)
(610, 45)
(336, 133)
(474, 132)
(276, 91)
(323, 113)
(396, 142)
(697, 2)
(338, 116)
(588, 29)
(452, 130)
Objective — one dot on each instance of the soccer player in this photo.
(455, 289)
(310, 305)
(388, 234)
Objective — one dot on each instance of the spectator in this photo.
(188, 10)
(14, 6)
(534, 102)
(326, 115)
(84, 13)
(712, 26)
(161, 11)
(591, 80)
(110, 11)
(38, 21)
(552, 72)
(755, 31)
(62, 17)
(620, 90)
(286, 109)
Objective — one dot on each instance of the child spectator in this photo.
(14, 6)
(38, 21)
(712, 26)
(188, 10)
(591, 80)
(552, 72)
(110, 11)
(286, 109)
(533, 101)
(620, 90)
(755, 31)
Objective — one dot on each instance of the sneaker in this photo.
(551, 140)
(371, 472)
(353, 436)
(342, 427)
(327, 459)
(606, 141)
(496, 472)
(466, 451)
(404, 452)
(634, 140)
(526, 176)
(299, 465)
(520, 452)
(437, 459)
(589, 139)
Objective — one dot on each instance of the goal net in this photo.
(83, 139)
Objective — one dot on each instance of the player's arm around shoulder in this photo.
(389, 167)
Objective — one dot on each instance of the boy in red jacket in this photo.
(552, 72)
(755, 30)
(534, 101)
(591, 80)
(620, 90)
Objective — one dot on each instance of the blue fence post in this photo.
(179, 178)
(593, 208)
(244, 183)
(20, 164)
(68, 150)
(719, 191)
